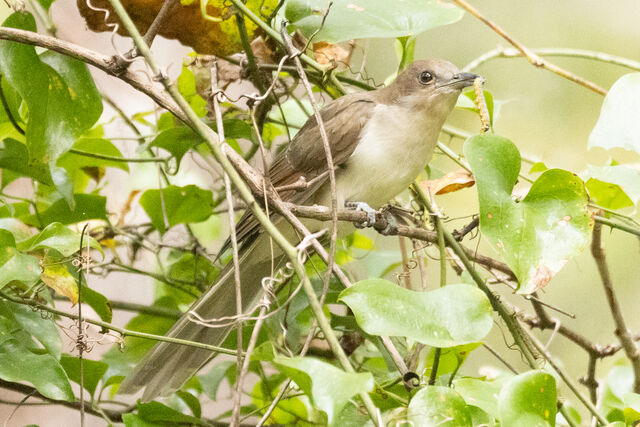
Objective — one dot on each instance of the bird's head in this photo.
(430, 82)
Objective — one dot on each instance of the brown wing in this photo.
(305, 156)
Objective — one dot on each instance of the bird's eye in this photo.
(425, 77)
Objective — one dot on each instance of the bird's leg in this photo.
(362, 206)
(392, 223)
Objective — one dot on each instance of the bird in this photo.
(380, 142)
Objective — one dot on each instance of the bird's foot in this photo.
(362, 206)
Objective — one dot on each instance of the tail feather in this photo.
(168, 366)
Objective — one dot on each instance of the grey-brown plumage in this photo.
(379, 140)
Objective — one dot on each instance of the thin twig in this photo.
(122, 331)
(507, 52)
(531, 56)
(294, 53)
(622, 332)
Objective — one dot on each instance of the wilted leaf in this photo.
(328, 387)
(453, 181)
(618, 124)
(528, 399)
(361, 19)
(186, 24)
(57, 277)
(327, 53)
(438, 407)
(538, 235)
(445, 317)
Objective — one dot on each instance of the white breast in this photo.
(394, 148)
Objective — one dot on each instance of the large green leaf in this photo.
(24, 318)
(93, 371)
(15, 265)
(329, 388)
(445, 317)
(618, 124)
(14, 156)
(361, 19)
(438, 407)
(177, 141)
(17, 363)
(528, 399)
(178, 205)
(57, 236)
(59, 93)
(538, 235)
(98, 302)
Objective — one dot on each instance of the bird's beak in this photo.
(461, 80)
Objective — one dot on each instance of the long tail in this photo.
(168, 366)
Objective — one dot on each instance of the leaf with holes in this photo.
(538, 235)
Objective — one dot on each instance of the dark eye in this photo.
(425, 77)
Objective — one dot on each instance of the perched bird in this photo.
(380, 142)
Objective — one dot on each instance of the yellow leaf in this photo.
(58, 278)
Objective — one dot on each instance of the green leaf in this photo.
(86, 206)
(14, 156)
(483, 394)
(59, 93)
(133, 420)
(329, 388)
(177, 141)
(537, 236)
(618, 124)
(97, 146)
(17, 266)
(361, 19)
(122, 361)
(93, 371)
(625, 178)
(187, 87)
(528, 399)
(98, 302)
(211, 381)
(57, 236)
(467, 102)
(607, 195)
(157, 412)
(179, 204)
(438, 407)
(191, 401)
(17, 363)
(33, 324)
(445, 317)
(631, 408)
(451, 359)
